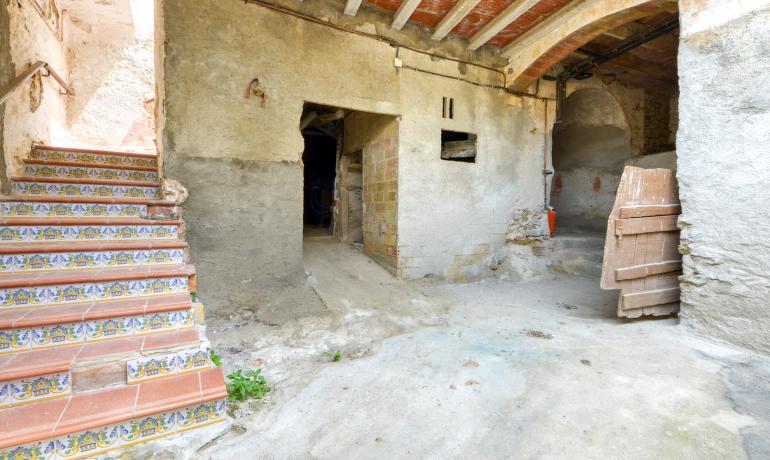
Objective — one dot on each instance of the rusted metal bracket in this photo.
(45, 70)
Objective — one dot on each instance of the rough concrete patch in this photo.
(536, 334)
(751, 403)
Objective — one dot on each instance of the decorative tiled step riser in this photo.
(16, 340)
(92, 158)
(86, 260)
(84, 190)
(69, 172)
(64, 294)
(166, 365)
(89, 443)
(22, 209)
(60, 233)
(33, 389)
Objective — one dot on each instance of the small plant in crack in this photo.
(244, 385)
(215, 357)
(335, 356)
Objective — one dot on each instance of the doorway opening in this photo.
(617, 108)
(321, 134)
(110, 51)
(351, 179)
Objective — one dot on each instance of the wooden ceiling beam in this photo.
(500, 22)
(403, 13)
(455, 15)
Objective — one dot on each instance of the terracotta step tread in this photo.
(58, 417)
(30, 221)
(132, 245)
(85, 200)
(42, 316)
(48, 361)
(63, 180)
(94, 151)
(27, 279)
(75, 164)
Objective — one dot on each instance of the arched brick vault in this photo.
(544, 46)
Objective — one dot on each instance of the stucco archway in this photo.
(590, 147)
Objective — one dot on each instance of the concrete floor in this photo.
(489, 370)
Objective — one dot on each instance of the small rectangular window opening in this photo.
(448, 108)
(458, 146)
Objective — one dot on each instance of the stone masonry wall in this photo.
(724, 133)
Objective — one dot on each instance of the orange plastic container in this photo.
(552, 221)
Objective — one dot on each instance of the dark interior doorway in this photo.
(319, 158)
(321, 128)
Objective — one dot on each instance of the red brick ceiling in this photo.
(653, 64)
(430, 12)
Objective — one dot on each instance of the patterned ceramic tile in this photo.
(185, 318)
(156, 322)
(83, 260)
(84, 190)
(88, 443)
(151, 367)
(23, 297)
(109, 328)
(164, 365)
(58, 233)
(202, 414)
(92, 442)
(86, 158)
(22, 209)
(28, 390)
(69, 172)
(43, 450)
(147, 428)
(57, 334)
(15, 340)
(193, 360)
(5, 394)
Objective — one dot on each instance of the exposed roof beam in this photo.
(351, 7)
(552, 24)
(501, 21)
(403, 13)
(455, 15)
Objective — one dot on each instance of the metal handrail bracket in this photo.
(45, 70)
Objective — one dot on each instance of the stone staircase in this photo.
(101, 343)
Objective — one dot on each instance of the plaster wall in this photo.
(110, 54)
(724, 131)
(454, 217)
(36, 112)
(241, 157)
